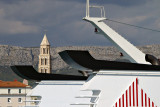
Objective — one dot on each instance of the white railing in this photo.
(99, 7)
(102, 10)
(93, 98)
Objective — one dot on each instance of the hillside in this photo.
(13, 55)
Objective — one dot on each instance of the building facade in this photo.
(44, 56)
(13, 93)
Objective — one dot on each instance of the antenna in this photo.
(45, 31)
(87, 8)
(99, 7)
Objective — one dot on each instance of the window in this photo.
(20, 91)
(45, 70)
(9, 91)
(20, 100)
(42, 61)
(9, 100)
(41, 70)
(47, 51)
(45, 61)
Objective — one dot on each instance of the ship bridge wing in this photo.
(29, 73)
(82, 60)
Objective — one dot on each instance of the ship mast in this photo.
(129, 51)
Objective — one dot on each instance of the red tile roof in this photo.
(12, 84)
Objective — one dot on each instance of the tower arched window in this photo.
(45, 70)
(43, 50)
(47, 51)
(41, 61)
(45, 61)
(41, 70)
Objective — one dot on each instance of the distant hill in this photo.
(13, 55)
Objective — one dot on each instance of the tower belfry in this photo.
(44, 56)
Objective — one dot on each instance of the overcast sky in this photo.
(22, 22)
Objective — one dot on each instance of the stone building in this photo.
(44, 56)
(13, 93)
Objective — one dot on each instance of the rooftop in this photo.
(12, 84)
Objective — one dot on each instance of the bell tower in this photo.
(44, 56)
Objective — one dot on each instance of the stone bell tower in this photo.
(44, 56)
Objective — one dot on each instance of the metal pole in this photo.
(87, 8)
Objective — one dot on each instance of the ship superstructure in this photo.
(105, 83)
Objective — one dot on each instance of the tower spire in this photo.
(45, 40)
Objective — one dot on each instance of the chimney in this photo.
(25, 82)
